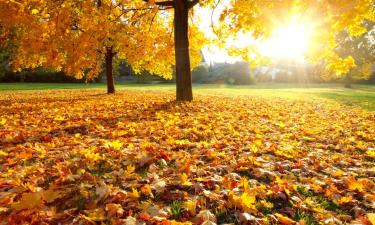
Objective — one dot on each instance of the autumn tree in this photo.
(259, 19)
(362, 50)
(77, 37)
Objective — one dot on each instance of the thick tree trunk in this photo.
(183, 74)
(109, 70)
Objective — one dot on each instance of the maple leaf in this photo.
(146, 190)
(190, 206)
(133, 194)
(129, 170)
(345, 199)
(248, 200)
(114, 209)
(25, 155)
(116, 144)
(94, 215)
(184, 179)
(355, 185)
(29, 201)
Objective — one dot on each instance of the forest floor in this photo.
(233, 155)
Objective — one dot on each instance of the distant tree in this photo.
(362, 49)
(263, 77)
(237, 73)
(199, 74)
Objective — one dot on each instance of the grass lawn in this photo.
(360, 95)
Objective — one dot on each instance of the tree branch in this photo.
(192, 3)
(164, 3)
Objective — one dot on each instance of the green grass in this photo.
(360, 95)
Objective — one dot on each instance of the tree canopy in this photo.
(74, 36)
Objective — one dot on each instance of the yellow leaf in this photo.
(345, 199)
(116, 144)
(355, 185)
(190, 206)
(95, 215)
(174, 222)
(3, 121)
(3, 153)
(371, 218)
(34, 11)
(134, 194)
(244, 183)
(338, 173)
(284, 219)
(59, 118)
(258, 142)
(371, 153)
(184, 179)
(130, 169)
(248, 200)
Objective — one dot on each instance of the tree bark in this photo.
(183, 74)
(109, 70)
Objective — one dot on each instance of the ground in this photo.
(234, 155)
(361, 95)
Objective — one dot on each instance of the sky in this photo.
(288, 42)
(212, 53)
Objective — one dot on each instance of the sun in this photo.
(291, 41)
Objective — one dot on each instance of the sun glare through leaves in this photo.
(291, 41)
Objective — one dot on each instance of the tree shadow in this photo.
(86, 128)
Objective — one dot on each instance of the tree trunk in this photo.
(109, 70)
(183, 74)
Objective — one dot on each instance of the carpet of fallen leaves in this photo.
(83, 157)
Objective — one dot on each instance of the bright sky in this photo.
(287, 42)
